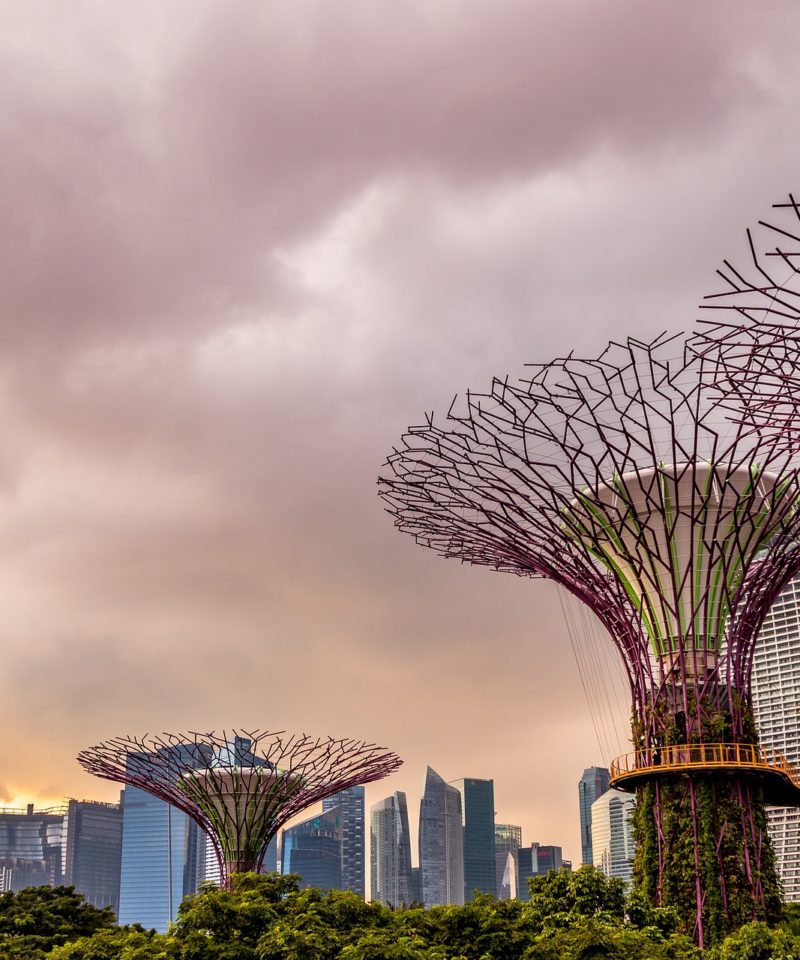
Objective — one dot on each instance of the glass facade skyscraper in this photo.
(351, 812)
(92, 851)
(31, 847)
(390, 851)
(612, 834)
(441, 843)
(477, 817)
(161, 852)
(159, 867)
(507, 841)
(313, 849)
(537, 860)
(776, 706)
(593, 784)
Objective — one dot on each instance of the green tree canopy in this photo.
(570, 916)
(36, 919)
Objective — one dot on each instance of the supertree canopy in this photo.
(240, 788)
(620, 479)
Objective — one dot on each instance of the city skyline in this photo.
(145, 845)
(226, 293)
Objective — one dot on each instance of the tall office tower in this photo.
(537, 860)
(776, 707)
(416, 885)
(31, 847)
(593, 784)
(507, 841)
(92, 851)
(351, 812)
(313, 849)
(390, 851)
(207, 861)
(160, 850)
(441, 843)
(270, 862)
(612, 834)
(477, 817)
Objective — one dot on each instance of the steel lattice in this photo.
(622, 479)
(240, 787)
(749, 335)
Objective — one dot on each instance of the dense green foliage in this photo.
(570, 916)
(35, 920)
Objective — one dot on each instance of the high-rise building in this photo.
(92, 851)
(612, 834)
(270, 862)
(507, 841)
(160, 860)
(351, 812)
(162, 847)
(31, 847)
(477, 817)
(441, 843)
(159, 867)
(313, 849)
(593, 784)
(416, 885)
(390, 851)
(776, 706)
(537, 860)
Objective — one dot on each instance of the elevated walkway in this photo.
(779, 778)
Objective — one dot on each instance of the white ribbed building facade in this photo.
(776, 703)
(612, 834)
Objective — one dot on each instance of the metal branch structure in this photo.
(620, 479)
(749, 335)
(242, 787)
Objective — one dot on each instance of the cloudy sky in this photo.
(244, 247)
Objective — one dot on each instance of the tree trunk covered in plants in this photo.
(702, 845)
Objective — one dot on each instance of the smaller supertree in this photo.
(243, 787)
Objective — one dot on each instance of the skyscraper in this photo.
(776, 707)
(92, 851)
(507, 841)
(390, 851)
(441, 843)
(477, 817)
(612, 834)
(160, 849)
(351, 812)
(31, 847)
(313, 849)
(537, 860)
(593, 784)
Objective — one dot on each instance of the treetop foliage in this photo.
(570, 916)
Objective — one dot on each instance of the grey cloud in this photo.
(241, 255)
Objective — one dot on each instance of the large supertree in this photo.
(240, 787)
(619, 479)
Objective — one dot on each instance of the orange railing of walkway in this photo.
(686, 756)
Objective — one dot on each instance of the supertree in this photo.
(239, 787)
(619, 479)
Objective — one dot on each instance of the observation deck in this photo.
(779, 778)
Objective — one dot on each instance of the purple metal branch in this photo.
(240, 787)
(623, 479)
